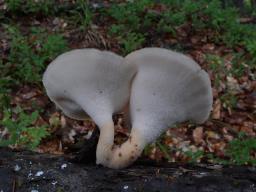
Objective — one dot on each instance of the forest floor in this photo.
(31, 35)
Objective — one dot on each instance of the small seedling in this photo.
(81, 16)
(22, 130)
(29, 54)
(242, 150)
(194, 156)
(132, 42)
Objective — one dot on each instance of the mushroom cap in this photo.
(89, 81)
(169, 88)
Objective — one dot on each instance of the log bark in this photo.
(28, 171)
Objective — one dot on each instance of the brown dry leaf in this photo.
(175, 141)
(4, 45)
(15, 100)
(236, 118)
(248, 131)
(212, 135)
(184, 145)
(250, 124)
(54, 120)
(159, 155)
(41, 101)
(228, 137)
(63, 121)
(168, 141)
(152, 151)
(52, 146)
(216, 113)
(195, 39)
(233, 85)
(250, 100)
(215, 92)
(86, 126)
(208, 47)
(198, 135)
(246, 20)
(179, 132)
(182, 33)
(219, 148)
(158, 8)
(40, 121)
(198, 56)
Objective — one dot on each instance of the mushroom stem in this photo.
(105, 143)
(128, 152)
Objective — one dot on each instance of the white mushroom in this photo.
(93, 82)
(168, 88)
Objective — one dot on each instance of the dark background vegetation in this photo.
(219, 35)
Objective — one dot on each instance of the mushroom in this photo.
(93, 82)
(168, 88)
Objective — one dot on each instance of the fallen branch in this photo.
(27, 171)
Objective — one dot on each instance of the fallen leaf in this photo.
(212, 135)
(198, 135)
(216, 109)
(233, 85)
(208, 47)
(248, 131)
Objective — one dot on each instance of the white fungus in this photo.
(163, 88)
(90, 82)
(168, 88)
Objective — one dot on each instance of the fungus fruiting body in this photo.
(93, 82)
(163, 88)
(168, 88)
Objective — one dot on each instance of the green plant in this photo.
(31, 6)
(131, 23)
(129, 14)
(147, 150)
(164, 149)
(216, 64)
(22, 130)
(229, 100)
(194, 156)
(131, 42)
(29, 54)
(242, 150)
(81, 16)
(13, 5)
(44, 7)
(217, 160)
(239, 65)
(170, 20)
(207, 14)
(250, 45)
(135, 17)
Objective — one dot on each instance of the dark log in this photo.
(28, 171)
